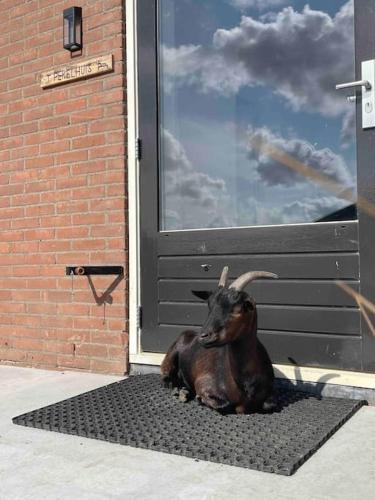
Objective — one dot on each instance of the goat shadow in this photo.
(288, 392)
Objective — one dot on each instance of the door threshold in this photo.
(298, 373)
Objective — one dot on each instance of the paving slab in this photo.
(37, 464)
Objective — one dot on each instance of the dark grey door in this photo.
(251, 158)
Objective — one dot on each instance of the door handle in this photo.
(359, 83)
(368, 92)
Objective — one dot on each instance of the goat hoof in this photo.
(240, 410)
(183, 395)
(199, 399)
(269, 405)
(175, 392)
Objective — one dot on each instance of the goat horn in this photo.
(243, 280)
(224, 277)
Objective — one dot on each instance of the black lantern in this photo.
(73, 29)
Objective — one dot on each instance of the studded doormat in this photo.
(140, 412)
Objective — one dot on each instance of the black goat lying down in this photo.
(224, 366)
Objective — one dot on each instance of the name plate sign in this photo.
(78, 71)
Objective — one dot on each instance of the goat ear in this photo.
(201, 294)
(249, 304)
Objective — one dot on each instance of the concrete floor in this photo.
(36, 464)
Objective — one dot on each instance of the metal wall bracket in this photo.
(88, 270)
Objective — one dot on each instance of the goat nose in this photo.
(204, 335)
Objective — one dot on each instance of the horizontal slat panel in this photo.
(328, 351)
(287, 318)
(298, 266)
(313, 350)
(322, 237)
(292, 292)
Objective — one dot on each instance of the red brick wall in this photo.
(62, 191)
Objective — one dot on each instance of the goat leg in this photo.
(216, 402)
(169, 368)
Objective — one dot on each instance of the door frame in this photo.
(136, 355)
(133, 178)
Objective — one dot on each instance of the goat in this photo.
(224, 366)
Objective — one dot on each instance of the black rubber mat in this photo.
(140, 412)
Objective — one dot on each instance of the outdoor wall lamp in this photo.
(73, 29)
